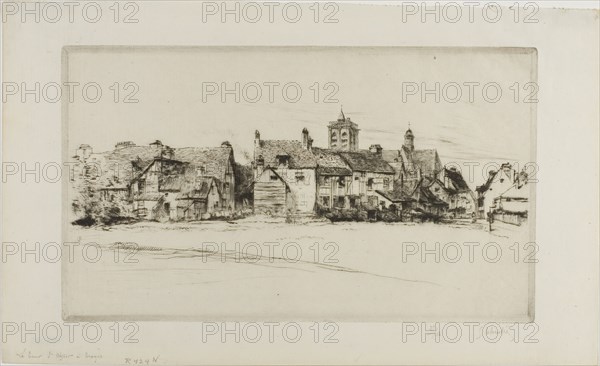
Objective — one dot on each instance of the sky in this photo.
(180, 94)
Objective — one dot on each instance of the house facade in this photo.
(505, 195)
(284, 163)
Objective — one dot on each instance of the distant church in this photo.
(343, 134)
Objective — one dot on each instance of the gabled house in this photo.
(369, 174)
(272, 194)
(498, 182)
(294, 164)
(187, 184)
(454, 190)
(152, 190)
(216, 162)
(199, 198)
(505, 195)
(351, 178)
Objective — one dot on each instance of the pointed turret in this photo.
(409, 139)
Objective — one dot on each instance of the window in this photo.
(501, 180)
(386, 183)
(344, 138)
(325, 201)
(370, 184)
(437, 189)
(141, 185)
(326, 180)
(299, 177)
(341, 182)
(273, 177)
(283, 159)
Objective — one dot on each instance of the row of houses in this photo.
(295, 176)
(157, 182)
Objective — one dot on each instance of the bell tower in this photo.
(343, 134)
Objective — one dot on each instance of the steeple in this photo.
(341, 117)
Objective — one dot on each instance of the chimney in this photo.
(310, 142)
(377, 150)
(167, 152)
(305, 139)
(225, 144)
(256, 143)
(157, 146)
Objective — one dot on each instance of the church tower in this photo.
(343, 134)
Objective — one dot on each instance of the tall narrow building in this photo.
(343, 134)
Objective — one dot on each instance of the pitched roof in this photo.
(214, 160)
(395, 195)
(457, 180)
(135, 159)
(300, 158)
(366, 161)
(425, 159)
(122, 158)
(449, 190)
(428, 197)
(331, 163)
(391, 156)
(198, 188)
(484, 187)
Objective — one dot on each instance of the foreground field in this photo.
(254, 270)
